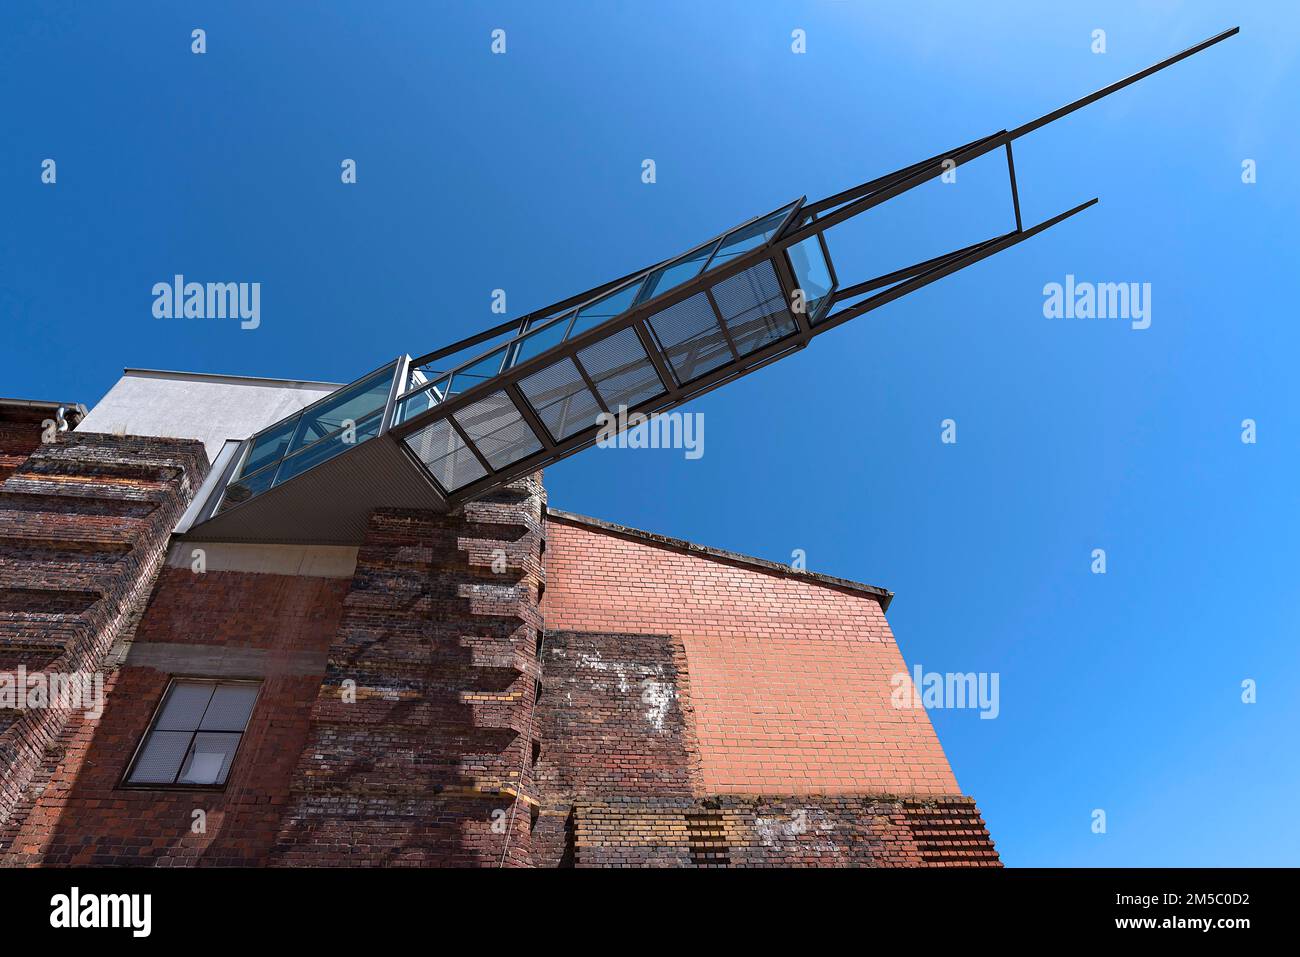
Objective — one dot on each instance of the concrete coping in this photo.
(237, 379)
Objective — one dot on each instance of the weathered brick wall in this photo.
(615, 721)
(950, 832)
(632, 832)
(84, 522)
(284, 615)
(276, 628)
(807, 831)
(439, 635)
(790, 677)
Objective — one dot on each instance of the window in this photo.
(743, 239)
(677, 272)
(195, 735)
(350, 404)
(812, 273)
(605, 308)
(476, 373)
(319, 432)
(539, 340)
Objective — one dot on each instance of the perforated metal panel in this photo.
(691, 338)
(185, 705)
(754, 308)
(161, 757)
(621, 371)
(230, 707)
(445, 455)
(497, 430)
(561, 399)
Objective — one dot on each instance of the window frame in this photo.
(125, 783)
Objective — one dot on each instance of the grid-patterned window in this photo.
(195, 736)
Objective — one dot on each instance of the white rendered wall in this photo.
(210, 408)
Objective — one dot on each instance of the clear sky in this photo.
(522, 171)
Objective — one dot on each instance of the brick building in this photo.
(501, 683)
(332, 625)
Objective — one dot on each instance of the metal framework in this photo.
(645, 343)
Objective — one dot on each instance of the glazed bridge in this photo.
(434, 432)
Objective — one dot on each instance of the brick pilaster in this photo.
(438, 648)
(84, 524)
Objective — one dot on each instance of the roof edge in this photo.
(225, 377)
(42, 404)
(883, 595)
(68, 413)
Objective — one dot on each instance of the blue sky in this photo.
(523, 172)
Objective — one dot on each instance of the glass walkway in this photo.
(532, 391)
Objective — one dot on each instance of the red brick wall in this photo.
(730, 831)
(790, 678)
(82, 816)
(276, 613)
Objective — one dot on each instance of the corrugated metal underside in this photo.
(329, 504)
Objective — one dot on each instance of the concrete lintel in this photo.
(302, 561)
(221, 661)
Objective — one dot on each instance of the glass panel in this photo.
(415, 378)
(422, 401)
(245, 489)
(538, 321)
(230, 707)
(749, 237)
(160, 758)
(326, 449)
(811, 273)
(605, 308)
(538, 342)
(476, 373)
(269, 447)
(185, 705)
(351, 403)
(677, 272)
(209, 759)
